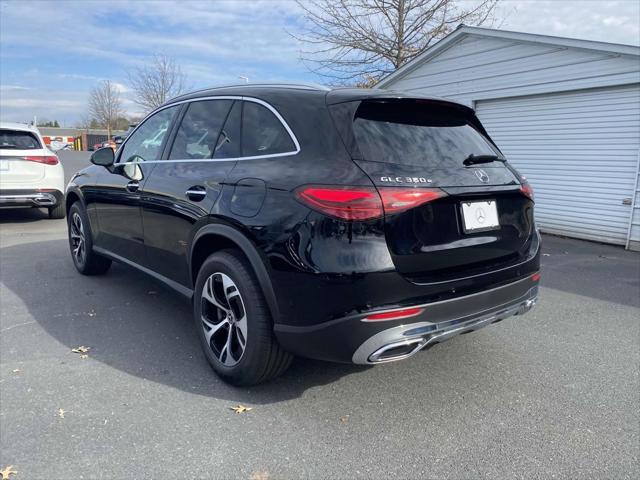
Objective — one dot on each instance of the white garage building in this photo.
(565, 112)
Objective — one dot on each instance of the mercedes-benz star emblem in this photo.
(480, 215)
(482, 175)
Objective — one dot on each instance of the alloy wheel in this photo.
(224, 319)
(78, 243)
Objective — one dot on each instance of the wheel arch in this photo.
(215, 237)
(71, 197)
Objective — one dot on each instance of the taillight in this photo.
(394, 314)
(395, 200)
(46, 159)
(364, 203)
(527, 189)
(345, 203)
(536, 277)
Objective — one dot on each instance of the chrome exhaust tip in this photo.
(526, 306)
(397, 350)
(44, 200)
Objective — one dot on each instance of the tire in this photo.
(222, 326)
(57, 212)
(86, 261)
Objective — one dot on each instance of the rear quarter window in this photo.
(18, 140)
(416, 133)
(263, 133)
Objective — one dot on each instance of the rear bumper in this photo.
(448, 319)
(355, 340)
(30, 198)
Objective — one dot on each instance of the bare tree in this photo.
(156, 82)
(84, 122)
(361, 41)
(105, 104)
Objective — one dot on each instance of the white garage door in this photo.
(579, 150)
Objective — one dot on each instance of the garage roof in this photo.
(464, 31)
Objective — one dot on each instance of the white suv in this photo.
(31, 175)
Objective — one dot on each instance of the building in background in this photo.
(565, 112)
(77, 138)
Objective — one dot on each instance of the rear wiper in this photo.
(473, 159)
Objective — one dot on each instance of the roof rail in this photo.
(302, 86)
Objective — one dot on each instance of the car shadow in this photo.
(135, 324)
(22, 215)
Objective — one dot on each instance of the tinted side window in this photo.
(146, 142)
(228, 145)
(198, 132)
(263, 133)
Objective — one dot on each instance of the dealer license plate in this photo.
(478, 216)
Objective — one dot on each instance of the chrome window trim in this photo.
(234, 159)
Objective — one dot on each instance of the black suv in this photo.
(348, 225)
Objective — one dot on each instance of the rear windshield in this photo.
(417, 133)
(18, 140)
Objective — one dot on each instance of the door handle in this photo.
(196, 193)
(133, 186)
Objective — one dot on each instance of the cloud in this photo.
(7, 88)
(120, 87)
(605, 21)
(77, 76)
(60, 51)
(23, 104)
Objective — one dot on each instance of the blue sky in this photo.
(53, 52)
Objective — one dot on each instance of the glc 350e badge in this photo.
(405, 179)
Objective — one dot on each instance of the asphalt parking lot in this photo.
(552, 394)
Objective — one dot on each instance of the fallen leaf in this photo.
(61, 413)
(92, 313)
(240, 408)
(344, 418)
(84, 355)
(16, 370)
(81, 349)
(7, 471)
(258, 475)
(546, 254)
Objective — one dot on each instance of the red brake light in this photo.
(527, 189)
(394, 314)
(395, 200)
(46, 159)
(364, 203)
(345, 203)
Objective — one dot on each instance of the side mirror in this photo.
(103, 156)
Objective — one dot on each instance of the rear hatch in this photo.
(18, 149)
(479, 220)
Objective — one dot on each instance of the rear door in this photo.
(116, 195)
(478, 220)
(185, 185)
